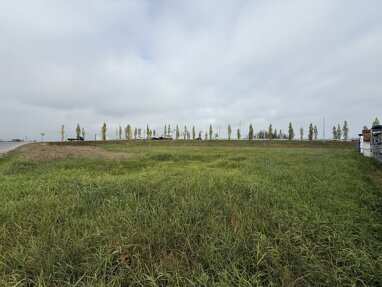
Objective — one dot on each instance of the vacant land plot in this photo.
(190, 214)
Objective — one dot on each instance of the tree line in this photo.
(272, 133)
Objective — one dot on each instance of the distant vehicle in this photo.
(76, 139)
(160, 138)
(16, 140)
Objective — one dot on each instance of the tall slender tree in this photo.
(147, 131)
(238, 134)
(78, 130)
(345, 130)
(177, 133)
(250, 133)
(120, 132)
(135, 133)
(270, 132)
(129, 135)
(290, 132)
(83, 132)
(62, 132)
(103, 131)
(315, 131)
(193, 133)
(210, 132)
(185, 133)
(334, 132)
(301, 133)
(206, 136)
(310, 133)
(165, 131)
(229, 132)
(200, 134)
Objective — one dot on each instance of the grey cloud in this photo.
(188, 62)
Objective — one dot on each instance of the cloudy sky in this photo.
(188, 63)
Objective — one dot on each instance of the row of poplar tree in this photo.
(129, 134)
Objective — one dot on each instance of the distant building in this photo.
(370, 142)
(376, 142)
(364, 142)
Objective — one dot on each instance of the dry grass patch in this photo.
(42, 151)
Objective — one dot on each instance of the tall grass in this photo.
(193, 214)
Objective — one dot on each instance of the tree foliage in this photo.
(315, 132)
(103, 131)
(62, 132)
(345, 130)
(129, 135)
(78, 130)
(148, 132)
(177, 133)
(310, 133)
(270, 132)
(334, 132)
(250, 133)
(290, 132)
(229, 130)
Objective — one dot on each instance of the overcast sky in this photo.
(188, 63)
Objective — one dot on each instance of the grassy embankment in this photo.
(190, 214)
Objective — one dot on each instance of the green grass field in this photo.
(190, 214)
